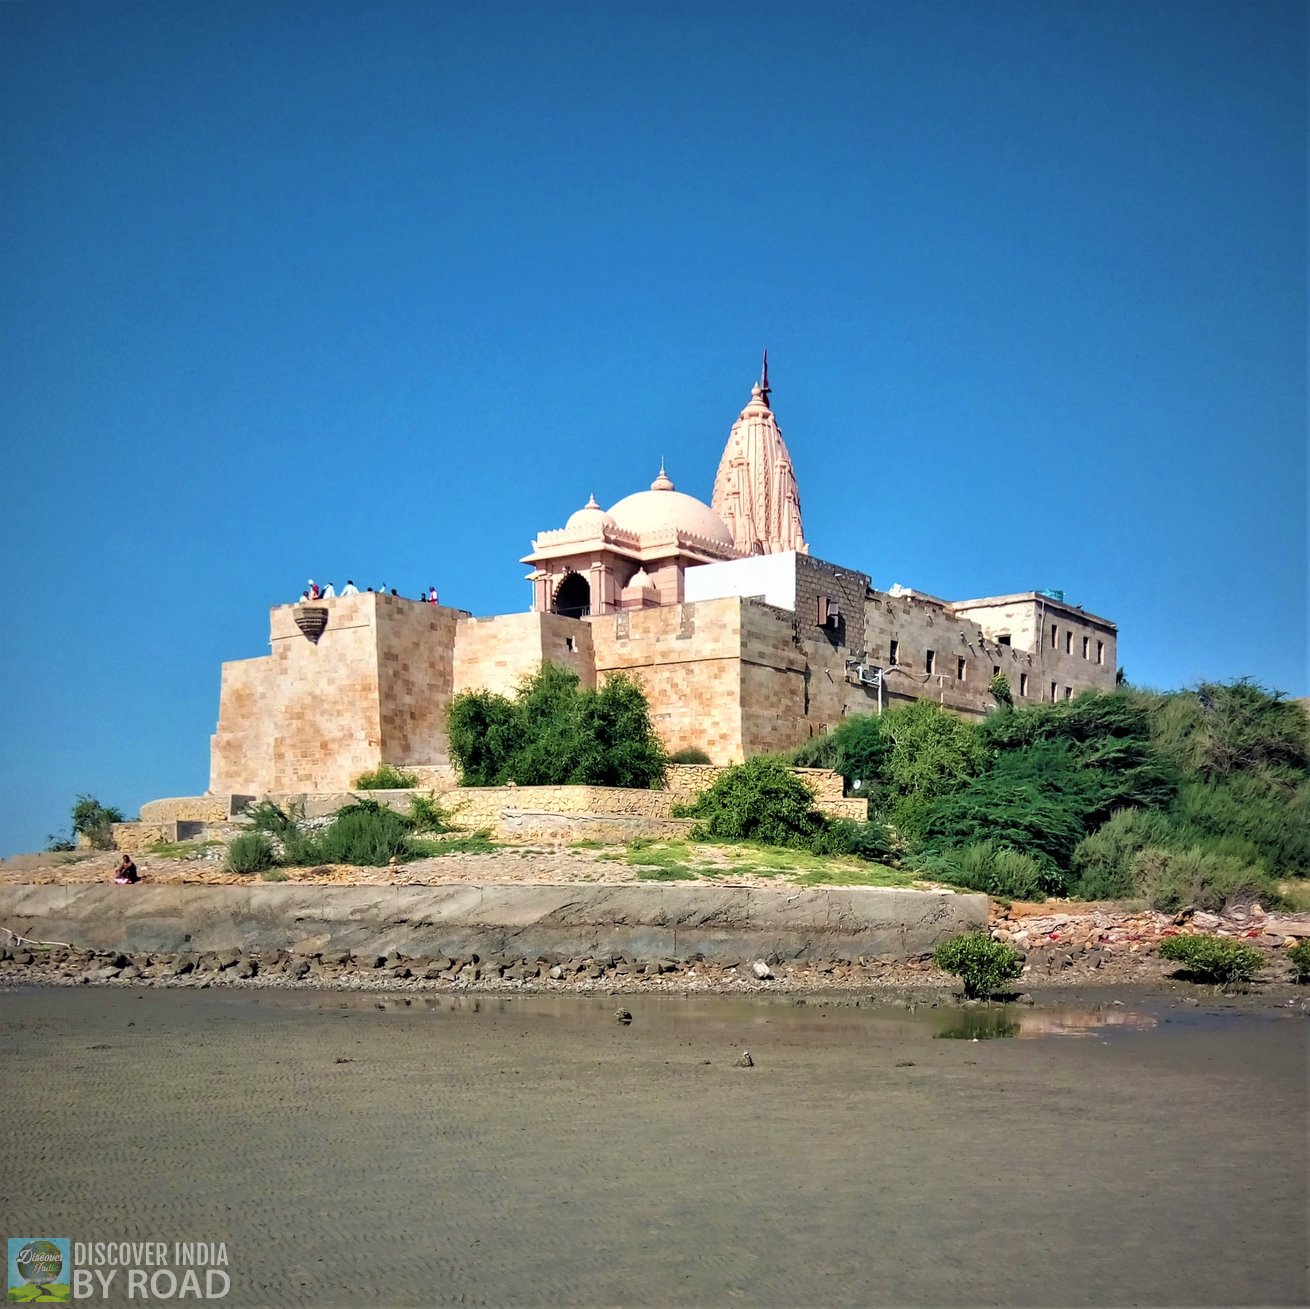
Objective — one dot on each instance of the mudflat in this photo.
(535, 1151)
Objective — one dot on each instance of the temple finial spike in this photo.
(764, 378)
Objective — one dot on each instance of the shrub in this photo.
(361, 835)
(844, 836)
(858, 748)
(999, 688)
(557, 733)
(92, 820)
(1170, 879)
(692, 754)
(1212, 959)
(386, 777)
(1299, 955)
(996, 870)
(1102, 863)
(251, 852)
(271, 818)
(931, 753)
(760, 800)
(426, 815)
(979, 962)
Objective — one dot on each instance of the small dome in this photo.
(663, 506)
(591, 515)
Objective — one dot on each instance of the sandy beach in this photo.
(488, 1150)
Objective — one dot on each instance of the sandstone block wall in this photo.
(194, 808)
(688, 658)
(494, 654)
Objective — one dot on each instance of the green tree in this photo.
(932, 752)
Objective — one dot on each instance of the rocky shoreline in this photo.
(1063, 966)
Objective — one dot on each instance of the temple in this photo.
(744, 641)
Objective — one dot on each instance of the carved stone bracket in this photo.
(311, 622)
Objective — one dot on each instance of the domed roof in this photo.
(591, 515)
(664, 506)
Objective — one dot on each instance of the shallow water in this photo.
(706, 1015)
(532, 1150)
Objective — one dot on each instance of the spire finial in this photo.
(764, 377)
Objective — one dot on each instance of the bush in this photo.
(844, 836)
(979, 962)
(999, 689)
(858, 748)
(1102, 863)
(1212, 959)
(760, 800)
(1171, 879)
(386, 777)
(271, 818)
(1299, 955)
(995, 870)
(557, 733)
(426, 815)
(690, 755)
(92, 820)
(363, 835)
(931, 753)
(251, 852)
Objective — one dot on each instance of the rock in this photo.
(668, 965)
(432, 972)
(22, 956)
(402, 971)
(557, 974)
(180, 967)
(595, 972)
(245, 969)
(764, 973)
(1205, 921)
(130, 973)
(623, 1016)
(338, 958)
(299, 969)
(744, 1060)
(470, 973)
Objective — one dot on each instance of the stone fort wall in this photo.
(731, 676)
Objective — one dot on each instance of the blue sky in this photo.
(380, 290)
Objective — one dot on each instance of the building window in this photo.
(1055, 636)
(996, 670)
(893, 649)
(959, 669)
(1023, 683)
(1087, 641)
(1100, 652)
(1003, 639)
(929, 659)
(1068, 692)
(1053, 690)
(1068, 643)
(570, 643)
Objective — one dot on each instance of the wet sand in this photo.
(532, 1151)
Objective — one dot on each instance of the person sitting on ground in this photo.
(350, 588)
(126, 874)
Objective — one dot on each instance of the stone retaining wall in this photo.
(529, 921)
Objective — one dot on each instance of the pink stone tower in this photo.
(755, 491)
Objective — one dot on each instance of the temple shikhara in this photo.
(744, 641)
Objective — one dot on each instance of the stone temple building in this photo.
(744, 641)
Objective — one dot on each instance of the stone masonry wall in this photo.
(495, 654)
(688, 658)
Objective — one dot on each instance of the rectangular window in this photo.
(1053, 690)
(1100, 652)
(1068, 692)
(1087, 642)
(996, 670)
(1068, 643)
(1055, 636)
(928, 660)
(893, 649)
(1023, 683)
(1003, 639)
(959, 669)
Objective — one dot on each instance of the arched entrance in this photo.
(573, 599)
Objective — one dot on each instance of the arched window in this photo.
(573, 599)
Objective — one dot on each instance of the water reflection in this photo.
(989, 1023)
